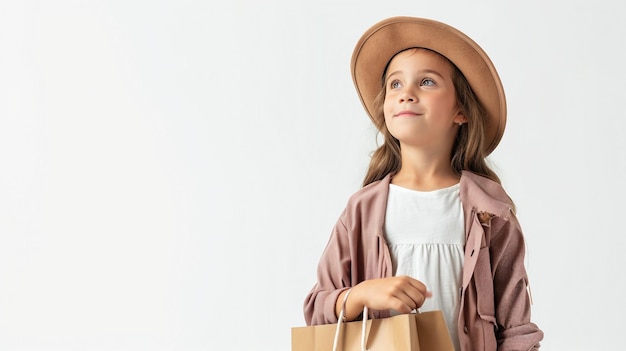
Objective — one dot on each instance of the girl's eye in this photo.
(395, 84)
(428, 81)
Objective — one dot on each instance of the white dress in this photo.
(425, 234)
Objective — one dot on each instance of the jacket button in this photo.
(465, 329)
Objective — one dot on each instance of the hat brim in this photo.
(388, 37)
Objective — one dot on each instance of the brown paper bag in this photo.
(425, 331)
(432, 332)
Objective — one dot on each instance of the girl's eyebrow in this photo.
(424, 71)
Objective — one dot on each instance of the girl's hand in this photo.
(403, 294)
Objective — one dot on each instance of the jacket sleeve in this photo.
(333, 277)
(515, 331)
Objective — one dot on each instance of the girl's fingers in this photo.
(412, 299)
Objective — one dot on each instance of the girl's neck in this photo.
(419, 172)
(424, 182)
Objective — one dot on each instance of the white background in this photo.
(170, 171)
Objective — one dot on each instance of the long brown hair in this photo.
(468, 152)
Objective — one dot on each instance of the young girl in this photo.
(432, 228)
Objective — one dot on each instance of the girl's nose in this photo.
(408, 96)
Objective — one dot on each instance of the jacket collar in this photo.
(477, 193)
(484, 195)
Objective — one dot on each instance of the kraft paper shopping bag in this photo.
(425, 331)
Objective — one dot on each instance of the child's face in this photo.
(420, 102)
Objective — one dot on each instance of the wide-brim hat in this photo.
(388, 37)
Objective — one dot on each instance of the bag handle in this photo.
(341, 319)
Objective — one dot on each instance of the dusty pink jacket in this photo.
(495, 304)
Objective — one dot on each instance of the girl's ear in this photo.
(460, 118)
